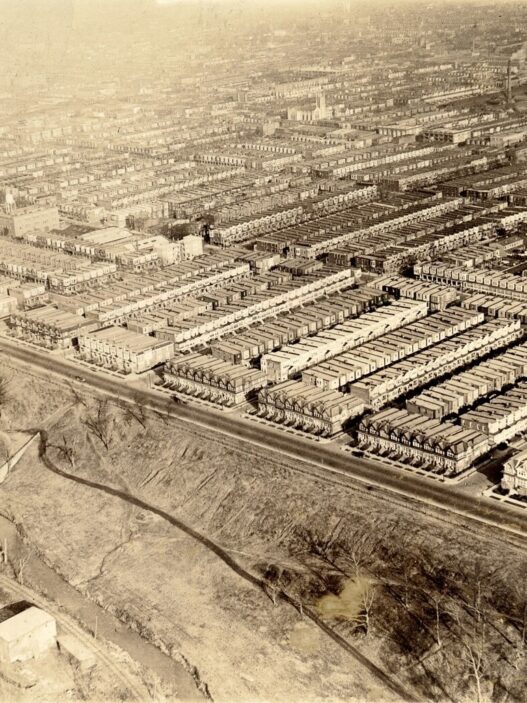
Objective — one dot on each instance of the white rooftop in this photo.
(24, 623)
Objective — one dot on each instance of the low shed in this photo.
(27, 635)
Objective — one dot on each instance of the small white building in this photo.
(27, 635)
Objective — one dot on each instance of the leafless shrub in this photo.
(134, 410)
(4, 392)
(100, 423)
(66, 449)
(19, 566)
(78, 397)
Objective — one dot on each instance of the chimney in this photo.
(509, 88)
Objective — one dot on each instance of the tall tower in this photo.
(10, 204)
(509, 86)
(321, 105)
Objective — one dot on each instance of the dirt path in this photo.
(44, 579)
(385, 679)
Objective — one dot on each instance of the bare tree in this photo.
(77, 396)
(437, 602)
(4, 452)
(479, 578)
(360, 554)
(271, 582)
(162, 416)
(367, 601)
(66, 449)
(518, 583)
(473, 642)
(4, 392)
(524, 625)
(134, 410)
(100, 423)
(19, 566)
(313, 543)
(272, 590)
(474, 656)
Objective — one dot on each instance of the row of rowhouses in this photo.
(396, 380)
(389, 348)
(438, 446)
(294, 358)
(467, 387)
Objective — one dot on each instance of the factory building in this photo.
(17, 222)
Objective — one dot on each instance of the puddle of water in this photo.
(349, 603)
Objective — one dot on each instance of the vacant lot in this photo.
(430, 603)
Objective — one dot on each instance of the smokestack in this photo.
(509, 88)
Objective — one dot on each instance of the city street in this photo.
(329, 458)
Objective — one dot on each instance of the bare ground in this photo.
(297, 534)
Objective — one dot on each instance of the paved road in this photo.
(332, 459)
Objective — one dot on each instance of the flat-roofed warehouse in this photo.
(122, 350)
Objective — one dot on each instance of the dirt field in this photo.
(186, 565)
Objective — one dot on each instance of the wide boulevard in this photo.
(328, 457)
